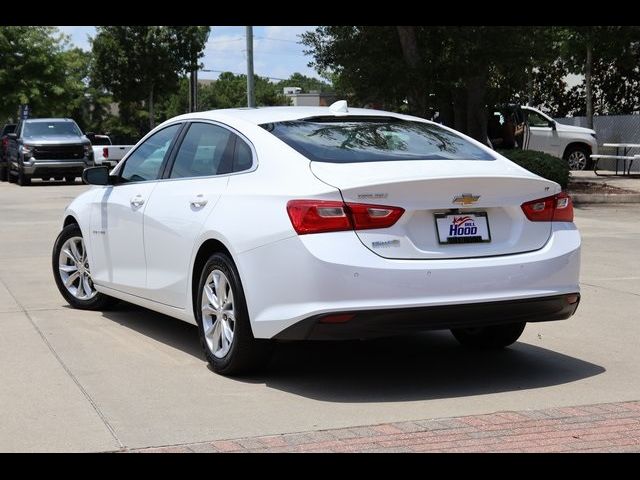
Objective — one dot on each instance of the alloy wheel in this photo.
(218, 313)
(577, 160)
(73, 267)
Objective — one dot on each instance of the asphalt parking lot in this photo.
(131, 378)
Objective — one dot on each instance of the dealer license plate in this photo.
(463, 227)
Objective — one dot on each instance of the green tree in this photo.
(455, 70)
(607, 58)
(307, 84)
(143, 63)
(32, 69)
(230, 91)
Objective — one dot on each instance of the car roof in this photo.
(263, 115)
(43, 120)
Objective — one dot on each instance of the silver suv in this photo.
(48, 148)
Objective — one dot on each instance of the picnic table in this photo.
(624, 157)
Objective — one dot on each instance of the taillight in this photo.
(105, 152)
(318, 216)
(557, 208)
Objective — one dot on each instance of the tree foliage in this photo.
(455, 70)
(32, 69)
(139, 63)
(307, 84)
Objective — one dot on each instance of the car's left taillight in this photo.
(319, 216)
(557, 208)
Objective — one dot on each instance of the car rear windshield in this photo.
(47, 129)
(373, 139)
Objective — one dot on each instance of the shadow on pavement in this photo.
(426, 366)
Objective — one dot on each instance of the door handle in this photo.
(137, 201)
(198, 201)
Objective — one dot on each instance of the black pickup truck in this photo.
(47, 148)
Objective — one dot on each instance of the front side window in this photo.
(51, 129)
(534, 119)
(145, 162)
(373, 139)
(206, 150)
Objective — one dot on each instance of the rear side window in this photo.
(373, 139)
(206, 150)
(242, 158)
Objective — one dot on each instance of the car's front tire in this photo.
(577, 157)
(493, 337)
(72, 272)
(23, 178)
(223, 320)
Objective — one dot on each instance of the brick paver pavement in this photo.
(609, 427)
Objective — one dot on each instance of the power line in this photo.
(235, 73)
(278, 39)
(239, 39)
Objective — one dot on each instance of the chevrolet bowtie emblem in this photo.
(465, 199)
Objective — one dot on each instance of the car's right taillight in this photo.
(105, 152)
(318, 216)
(557, 208)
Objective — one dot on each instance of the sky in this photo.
(276, 52)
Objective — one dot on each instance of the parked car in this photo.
(320, 223)
(48, 148)
(4, 142)
(104, 153)
(542, 133)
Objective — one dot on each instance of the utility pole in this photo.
(251, 96)
(193, 91)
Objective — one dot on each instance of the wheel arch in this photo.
(572, 145)
(69, 220)
(206, 249)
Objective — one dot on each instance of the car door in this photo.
(542, 137)
(179, 206)
(117, 240)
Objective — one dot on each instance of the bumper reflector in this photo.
(343, 318)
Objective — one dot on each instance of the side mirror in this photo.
(552, 124)
(96, 176)
(13, 135)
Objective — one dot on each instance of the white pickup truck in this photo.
(104, 153)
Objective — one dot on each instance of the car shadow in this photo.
(424, 366)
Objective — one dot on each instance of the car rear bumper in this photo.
(381, 323)
(307, 276)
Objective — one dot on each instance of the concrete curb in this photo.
(586, 198)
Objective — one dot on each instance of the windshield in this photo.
(373, 139)
(48, 129)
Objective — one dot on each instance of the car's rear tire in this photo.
(4, 173)
(223, 320)
(10, 177)
(577, 157)
(492, 337)
(23, 178)
(72, 274)
(70, 180)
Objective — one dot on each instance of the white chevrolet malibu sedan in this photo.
(290, 223)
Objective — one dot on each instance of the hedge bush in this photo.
(543, 164)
